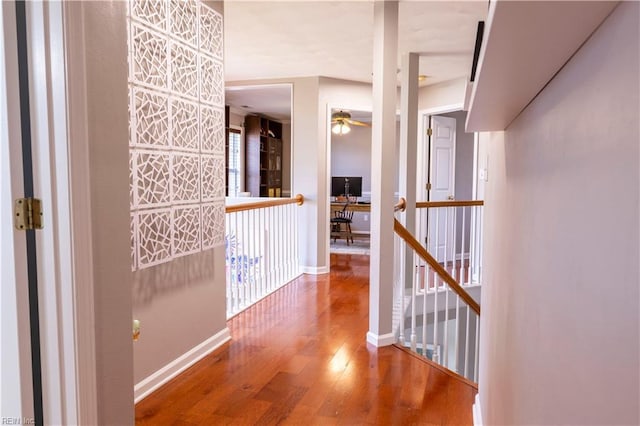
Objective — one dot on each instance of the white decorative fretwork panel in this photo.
(212, 130)
(211, 81)
(184, 20)
(212, 224)
(212, 177)
(176, 129)
(186, 230)
(154, 237)
(151, 12)
(185, 126)
(211, 39)
(149, 57)
(184, 70)
(152, 179)
(151, 119)
(186, 178)
(134, 240)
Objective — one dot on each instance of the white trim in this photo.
(442, 109)
(477, 411)
(381, 340)
(315, 270)
(150, 384)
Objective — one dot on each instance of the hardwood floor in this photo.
(300, 357)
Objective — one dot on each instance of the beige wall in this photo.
(180, 304)
(103, 59)
(559, 334)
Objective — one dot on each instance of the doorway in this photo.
(446, 168)
(350, 161)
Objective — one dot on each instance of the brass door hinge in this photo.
(429, 131)
(428, 186)
(28, 214)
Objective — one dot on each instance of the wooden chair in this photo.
(340, 217)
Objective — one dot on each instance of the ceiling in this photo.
(284, 39)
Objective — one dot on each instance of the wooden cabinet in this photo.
(263, 156)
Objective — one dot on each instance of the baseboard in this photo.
(315, 270)
(381, 340)
(477, 412)
(150, 384)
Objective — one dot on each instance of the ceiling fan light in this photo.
(341, 128)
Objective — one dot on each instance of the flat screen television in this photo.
(350, 186)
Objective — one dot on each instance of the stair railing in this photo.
(438, 307)
(262, 255)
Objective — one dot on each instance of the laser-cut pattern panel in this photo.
(184, 71)
(184, 20)
(212, 224)
(151, 12)
(151, 119)
(184, 125)
(211, 82)
(186, 178)
(186, 230)
(211, 32)
(212, 130)
(176, 129)
(134, 241)
(132, 170)
(212, 178)
(154, 237)
(152, 179)
(150, 64)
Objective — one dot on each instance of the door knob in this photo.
(450, 197)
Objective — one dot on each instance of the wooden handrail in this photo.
(424, 254)
(271, 202)
(401, 206)
(448, 203)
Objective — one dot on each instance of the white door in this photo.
(442, 155)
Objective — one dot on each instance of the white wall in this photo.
(447, 93)
(560, 307)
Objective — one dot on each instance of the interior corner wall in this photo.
(180, 304)
(105, 66)
(560, 305)
(306, 164)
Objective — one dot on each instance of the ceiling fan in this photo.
(341, 122)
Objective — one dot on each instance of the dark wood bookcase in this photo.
(263, 156)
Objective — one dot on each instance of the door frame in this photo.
(423, 154)
(61, 180)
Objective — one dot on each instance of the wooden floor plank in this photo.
(300, 357)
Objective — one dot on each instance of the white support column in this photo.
(409, 151)
(385, 62)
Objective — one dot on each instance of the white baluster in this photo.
(462, 272)
(424, 321)
(466, 345)
(413, 307)
(475, 369)
(457, 337)
(435, 317)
